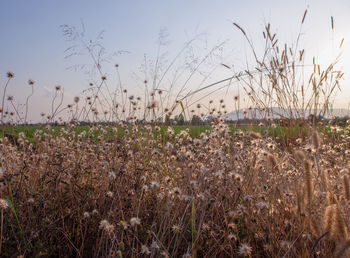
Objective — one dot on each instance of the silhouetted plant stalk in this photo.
(10, 75)
(31, 84)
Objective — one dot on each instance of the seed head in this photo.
(3, 204)
(244, 250)
(135, 221)
(10, 75)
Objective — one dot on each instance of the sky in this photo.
(32, 44)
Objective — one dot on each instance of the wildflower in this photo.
(123, 224)
(76, 99)
(86, 215)
(238, 177)
(270, 146)
(105, 225)
(153, 105)
(112, 175)
(3, 204)
(94, 212)
(10, 75)
(244, 250)
(154, 245)
(170, 130)
(154, 184)
(31, 200)
(176, 190)
(110, 194)
(58, 87)
(31, 82)
(176, 228)
(135, 221)
(145, 250)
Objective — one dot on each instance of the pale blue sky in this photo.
(32, 44)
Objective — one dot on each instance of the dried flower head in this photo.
(135, 221)
(244, 250)
(10, 75)
(3, 204)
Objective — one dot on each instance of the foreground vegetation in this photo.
(141, 193)
(137, 190)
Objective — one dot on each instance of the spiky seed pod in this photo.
(330, 198)
(324, 178)
(315, 227)
(328, 217)
(346, 186)
(299, 199)
(308, 180)
(316, 140)
(338, 230)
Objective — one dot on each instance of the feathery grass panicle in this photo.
(308, 181)
(316, 228)
(316, 140)
(346, 187)
(331, 199)
(328, 219)
(338, 229)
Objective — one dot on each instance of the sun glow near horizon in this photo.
(316, 36)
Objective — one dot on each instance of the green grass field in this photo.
(194, 131)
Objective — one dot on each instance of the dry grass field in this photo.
(220, 194)
(118, 187)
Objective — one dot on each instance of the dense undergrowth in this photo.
(139, 194)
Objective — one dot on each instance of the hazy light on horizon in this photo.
(33, 47)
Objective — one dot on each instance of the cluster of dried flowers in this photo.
(143, 193)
